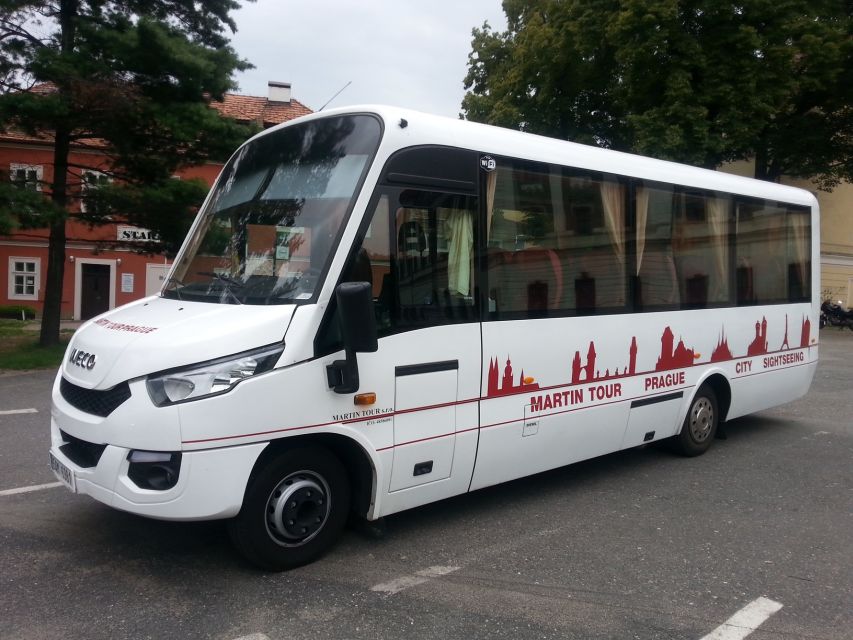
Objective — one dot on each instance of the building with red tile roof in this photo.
(278, 107)
(105, 268)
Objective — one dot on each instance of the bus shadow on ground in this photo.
(101, 535)
(584, 481)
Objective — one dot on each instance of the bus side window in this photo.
(368, 261)
(433, 263)
(772, 253)
(556, 240)
(418, 255)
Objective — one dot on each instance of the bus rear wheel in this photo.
(294, 509)
(700, 423)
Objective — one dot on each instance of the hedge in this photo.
(14, 311)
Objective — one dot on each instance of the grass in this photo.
(19, 347)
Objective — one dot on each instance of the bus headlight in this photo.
(210, 378)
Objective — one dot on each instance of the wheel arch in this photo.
(356, 461)
(722, 389)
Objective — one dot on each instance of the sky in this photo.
(410, 53)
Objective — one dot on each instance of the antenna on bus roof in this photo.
(340, 91)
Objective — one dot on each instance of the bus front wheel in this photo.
(700, 423)
(294, 509)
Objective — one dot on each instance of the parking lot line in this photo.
(745, 621)
(10, 412)
(419, 577)
(35, 487)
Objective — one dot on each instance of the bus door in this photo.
(418, 254)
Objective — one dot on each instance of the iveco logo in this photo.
(82, 359)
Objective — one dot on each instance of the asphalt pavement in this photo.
(638, 544)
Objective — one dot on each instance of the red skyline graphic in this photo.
(805, 334)
(505, 385)
(588, 373)
(672, 356)
(758, 347)
(721, 351)
(498, 385)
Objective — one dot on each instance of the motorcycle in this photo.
(834, 315)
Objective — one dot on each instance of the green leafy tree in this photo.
(132, 77)
(696, 81)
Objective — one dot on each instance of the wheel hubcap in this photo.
(297, 508)
(701, 419)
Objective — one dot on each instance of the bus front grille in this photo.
(99, 403)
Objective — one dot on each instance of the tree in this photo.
(132, 76)
(696, 81)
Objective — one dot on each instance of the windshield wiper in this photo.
(228, 281)
(173, 285)
(234, 282)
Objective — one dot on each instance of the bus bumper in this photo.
(210, 484)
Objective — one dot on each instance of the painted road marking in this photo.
(35, 487)
(254, 636)
(745, 621)
(11, 412)
(406, 582)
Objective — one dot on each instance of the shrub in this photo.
(14, 311)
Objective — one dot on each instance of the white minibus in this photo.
(377, 308)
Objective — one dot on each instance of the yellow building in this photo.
(836, 233)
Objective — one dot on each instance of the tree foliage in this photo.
(696, 81)
(131, 78)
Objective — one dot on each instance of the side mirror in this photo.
(358, 329)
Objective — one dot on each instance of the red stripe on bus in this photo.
(443, 435)
(485, 398)
(326, 424)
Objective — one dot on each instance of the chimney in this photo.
(279, 91)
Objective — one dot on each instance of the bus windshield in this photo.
(277, 211)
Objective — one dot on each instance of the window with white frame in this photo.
(24, 278)
(90, 182)
(26, 176)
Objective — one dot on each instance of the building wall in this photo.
(131, 274)
(836, 233)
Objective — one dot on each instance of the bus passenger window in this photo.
(655, 283)
(773, 254)
(700, 243)
(556, 240)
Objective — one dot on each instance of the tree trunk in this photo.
(766, 168)
(59, 194)
(56, 245)
(760, 172)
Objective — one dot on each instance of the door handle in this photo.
(426, 367)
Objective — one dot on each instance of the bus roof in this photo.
(422, 128)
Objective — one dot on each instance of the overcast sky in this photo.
(411, 53)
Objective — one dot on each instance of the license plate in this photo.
(65, 475)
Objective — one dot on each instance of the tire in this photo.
(294, 510)
(700, 423)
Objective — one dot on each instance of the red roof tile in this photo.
(242, 108)
(260, 110)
